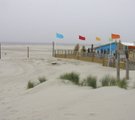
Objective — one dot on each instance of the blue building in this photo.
(110, 48)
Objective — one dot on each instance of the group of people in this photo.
(83, 49)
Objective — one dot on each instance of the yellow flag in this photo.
(98, 38)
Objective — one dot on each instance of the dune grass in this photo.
(73, 77)
(33, 83)
(42, 79)
(122, 83)
(30, 85)
(111, 81)
(108, 81)
(91, 81)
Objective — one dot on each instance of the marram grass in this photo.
(90, 81)
(33, 83)
(73, 77)
(108, 81)
(30, 85)
(42, 79)
(111, 81)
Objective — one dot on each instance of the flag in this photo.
(60, 36)
(115, 36)
(81, 37)
(98, 38)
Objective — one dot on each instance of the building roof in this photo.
(124, 43)
(104, 45)
(128, 44)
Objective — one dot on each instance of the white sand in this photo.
(55, 100)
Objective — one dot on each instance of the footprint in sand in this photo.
(69, 116)
(9, 107)
(3, 103)
(92, 114)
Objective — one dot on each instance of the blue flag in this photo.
(60, 36)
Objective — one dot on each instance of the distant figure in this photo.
(76, 49)
(88, 50)
(101, 51)
(126, 53)
(92, 48)
(83, 49)
(112, 61)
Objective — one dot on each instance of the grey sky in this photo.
(39, 20)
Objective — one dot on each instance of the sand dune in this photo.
(54, 99)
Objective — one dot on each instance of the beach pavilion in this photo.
(111, 48)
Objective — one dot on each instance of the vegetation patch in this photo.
(90, 81)
(30, 85)
(33, 83)
(111, 81)
(108, 81)
(73, 77)
(42, 79)
(122, 83)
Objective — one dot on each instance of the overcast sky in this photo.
(39, 20)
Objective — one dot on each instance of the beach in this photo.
(55, 99)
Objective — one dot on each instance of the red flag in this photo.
(115, 36)
(81, 37)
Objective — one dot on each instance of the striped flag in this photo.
(59, 36)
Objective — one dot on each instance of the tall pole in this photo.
(0, 50)
(127, 69)
(110, 49)
(28, 52)
(127, 65)
(109, 57)
(53, 48)
(118, 61)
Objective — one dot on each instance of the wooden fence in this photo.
(89, 57)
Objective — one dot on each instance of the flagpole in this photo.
(28, 52)
(0, 51)
(110, 49)
(109, 57)
(53, 48)
(118, 61)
